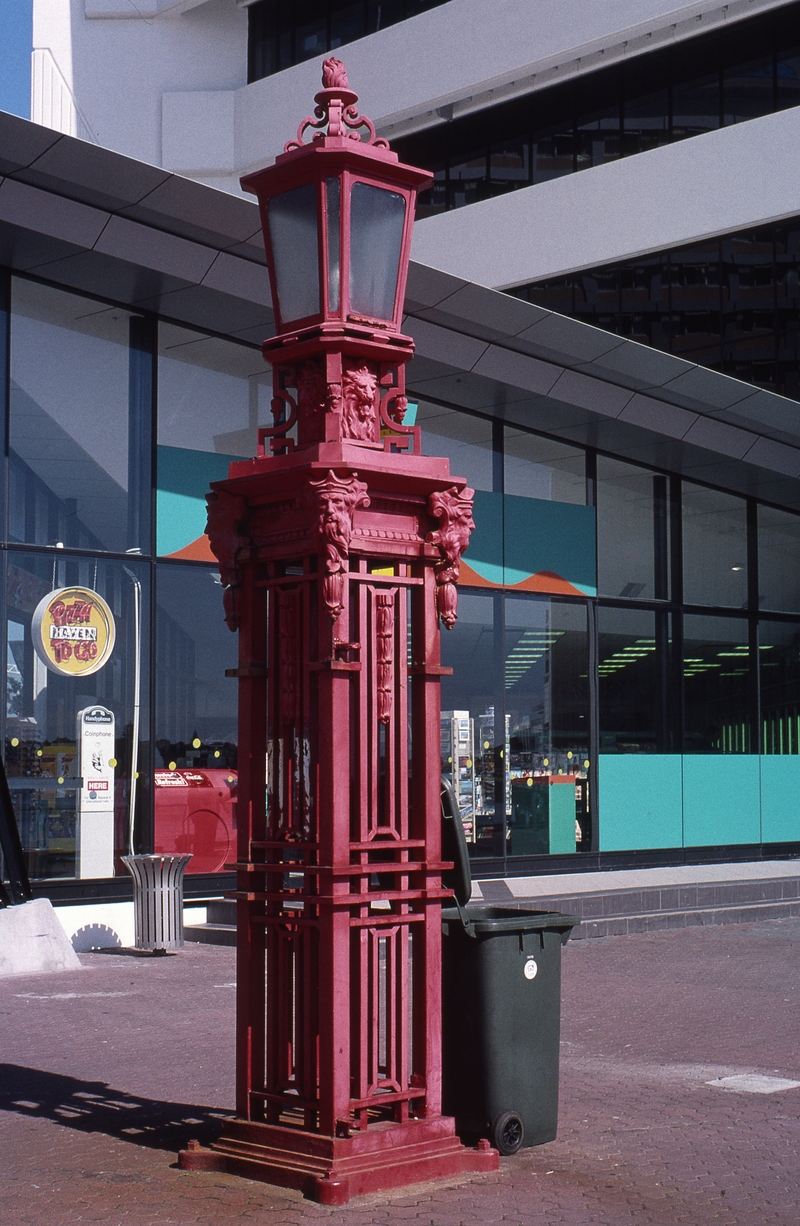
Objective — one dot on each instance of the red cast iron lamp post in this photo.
(339, 548)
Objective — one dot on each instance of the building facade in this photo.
(626, 664)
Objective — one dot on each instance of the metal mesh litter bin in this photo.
(158, 900)
(501, 1009)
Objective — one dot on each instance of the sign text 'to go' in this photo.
(73, 631)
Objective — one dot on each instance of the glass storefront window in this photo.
(779, 672)
(195, 733)
(716, 685)
(778, 560)
(537, 467)
(471, 698)
(212, 397)
(70, 777)
(515, 724)
(714, 547)
(464, 439)
(631, 688)
(547, 726)
(632, 527)
(74, 477)
(548, 531)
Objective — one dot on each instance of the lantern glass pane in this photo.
(376, 234)
(292, 218)
(333, 196)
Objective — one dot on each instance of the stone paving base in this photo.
(107, 1071)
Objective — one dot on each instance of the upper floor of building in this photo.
(213, 88)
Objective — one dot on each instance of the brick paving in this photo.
(106, 1072)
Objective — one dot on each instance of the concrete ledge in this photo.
(32, 941)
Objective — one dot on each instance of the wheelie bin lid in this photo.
(484, 920)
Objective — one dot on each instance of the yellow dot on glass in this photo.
(231, 779)
(136, 774)
(196, 743)
(560, 771)
(449, 759)
(216, 753)
(586, 764)
(469, 762)
(172, 766)
(569, 755)
(15, 741)
(112, 762)
(39, 753)
(545, 761)
(530, 783)
(485, 744)
(60, 778)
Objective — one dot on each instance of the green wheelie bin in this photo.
(501, 1009)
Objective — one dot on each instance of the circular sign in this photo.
(530, 969)
(73, 631)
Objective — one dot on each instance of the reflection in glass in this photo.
(631, 531)
(41, 751)
(716, 671)
(212, 396)
(597, 138)
(333, 193)
(778, 560)
(646, 122)
(553, 153)
(292, 218)
(714, 547)
(779, 668)
(537, 467)
(509, 166)
(474, 693)
(695, 106)
(464, 439)
(467, 178)
(748, 90)
(68, 427)
(631, 689)
(196, 719)
(547, 720)
(376, 233)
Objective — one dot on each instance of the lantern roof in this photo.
(337, 133)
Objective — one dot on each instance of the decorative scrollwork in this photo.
(336, 111)
(337, 500)
(453, 508)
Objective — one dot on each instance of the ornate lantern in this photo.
(339, 548)
(337, 214)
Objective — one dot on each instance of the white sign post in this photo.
(96, 804)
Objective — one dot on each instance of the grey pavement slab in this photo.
(105, 1072)
(554, 884)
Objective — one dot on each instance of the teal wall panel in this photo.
(641, 802)
(721, 799)
(556, 538)
(533, 544)
(183, 480)
(780, 798)
(485, 552)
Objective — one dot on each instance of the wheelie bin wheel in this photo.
(507, 1132)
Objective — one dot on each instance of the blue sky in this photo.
(15, 56)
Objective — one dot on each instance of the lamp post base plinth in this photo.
(332, 1169)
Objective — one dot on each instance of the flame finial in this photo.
(334, 74)
(336, 113)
